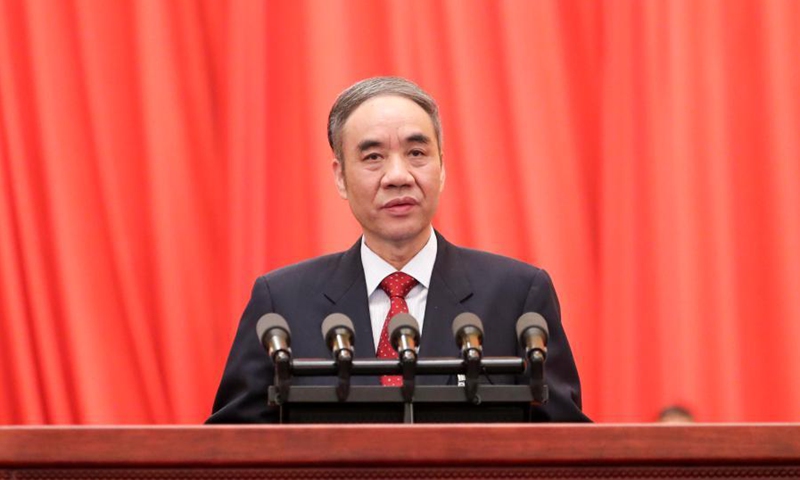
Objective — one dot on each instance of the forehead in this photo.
(386, 115)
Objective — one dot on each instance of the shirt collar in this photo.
(420, 267)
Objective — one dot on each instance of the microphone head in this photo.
(401, 321)
(335, 321)
(464, 320)
(270, 321)
(531, 320)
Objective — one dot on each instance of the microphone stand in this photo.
(302, 367)
(472, 361)
(408, 364)
(283, 374)
(343, 403)
(344, 367)
(539, 389)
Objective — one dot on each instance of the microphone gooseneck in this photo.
(532, 333)
(339, 334)
(276, 337)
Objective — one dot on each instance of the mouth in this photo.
(399, 206)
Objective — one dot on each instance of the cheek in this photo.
(362, 186)
(431, 181)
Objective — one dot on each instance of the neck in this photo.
(397, 254)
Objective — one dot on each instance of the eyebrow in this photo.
(368, 143)
(413, 138)
(418, 138)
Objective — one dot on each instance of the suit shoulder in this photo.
(486, 262)
(313, 264)
(307, 272)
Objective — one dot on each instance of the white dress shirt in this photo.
(376, 269)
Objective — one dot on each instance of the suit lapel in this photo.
(347, 290)
(449, 288)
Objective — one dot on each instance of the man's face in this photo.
(392, 174)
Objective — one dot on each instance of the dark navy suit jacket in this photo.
(498, 289)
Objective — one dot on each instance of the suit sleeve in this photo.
(561, 374)
(242, 393)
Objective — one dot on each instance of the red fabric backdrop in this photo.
(156, 156)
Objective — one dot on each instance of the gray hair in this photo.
(364, 90)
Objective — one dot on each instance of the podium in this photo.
(506, 451)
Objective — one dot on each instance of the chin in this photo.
(404, 234)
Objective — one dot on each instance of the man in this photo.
(386, 138)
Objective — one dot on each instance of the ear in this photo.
(442, 174)
(338, 177)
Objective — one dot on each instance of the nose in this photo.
(397, 172)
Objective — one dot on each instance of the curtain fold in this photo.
(155, 157)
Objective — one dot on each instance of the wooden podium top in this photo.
(404, 451)
(406, 445)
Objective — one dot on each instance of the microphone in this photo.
(468, 331)
(339, 335)
(274, 334)
(404, 336)
(532, 333)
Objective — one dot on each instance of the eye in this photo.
(372, 156)
(417, 153)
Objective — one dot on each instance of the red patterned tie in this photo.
(397, 286)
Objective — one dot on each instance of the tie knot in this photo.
(398, 284)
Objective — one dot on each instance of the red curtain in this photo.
(156, 156)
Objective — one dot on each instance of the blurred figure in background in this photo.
(675, 414)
